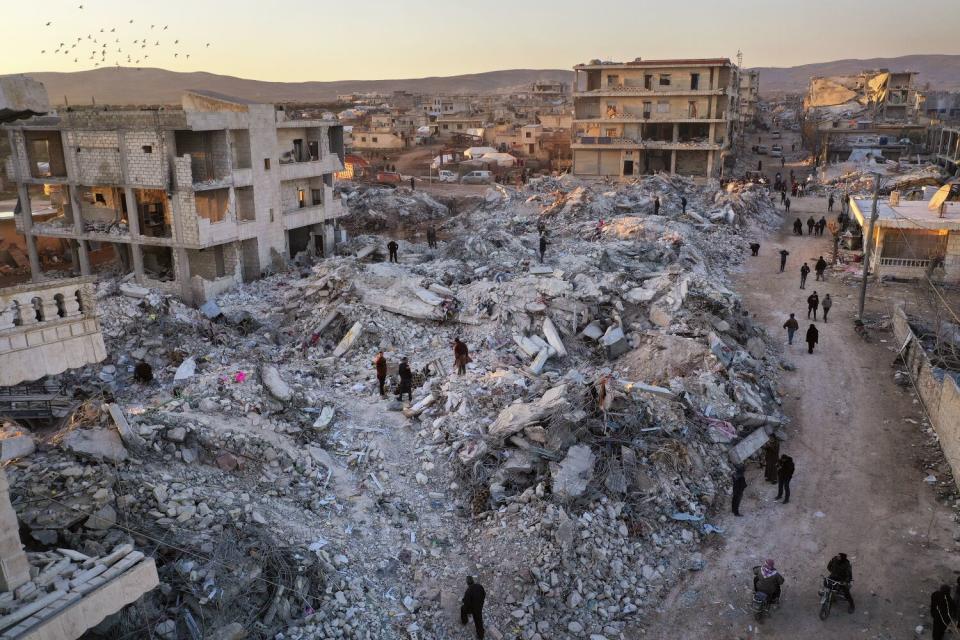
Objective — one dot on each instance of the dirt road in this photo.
(857, 487)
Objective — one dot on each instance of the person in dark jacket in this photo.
(380, 362)
(543, 246)
(785, 470)
(797, 227)
(683, 204)
(472, 605)
(392, 247)
(432, 237)
(786, 207)
(754, 248)
(942, 611)
(820, 267)
(792, 326)
(813, 337)
(771, 454)
(830, 203)
(768, 580)
(822, 224)
(813, 303)
(406, 380)
(826, 304)
(810, 223)
(842, 572)
(783, 195)
(783, 259)
(656, 206)
(461, 356)
(804, 272)
(739, 485)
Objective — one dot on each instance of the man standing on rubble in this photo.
(783, 259)
(656, 205)
(543, 246)
(461, 356)
(813, 336)
(804, 272)
(392, 247)
(380, 363)
(472, 605)
(813, 303)
(432, 237)
(683, 204)
(785, 470)
(792, 326)
(739, 485)
(406, 380)
(820, 268)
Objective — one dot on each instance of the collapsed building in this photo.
(190, 201)
(871, 112)
(640, 117)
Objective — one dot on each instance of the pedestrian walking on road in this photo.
(543, 246)
(830, 203)
(392, 247)
(413, 187)
(683, 203)
(783, 195)
(797, 227)
(472, 605)
(461, 356)
(813, 303)
(785, 470)
(783, 259)
(813, 337)
(826, 304)
(810, 223)
(820, 267)
(942, 610)
(786, 207)
(380, 364)
(771, 454)
(792, 326)
(783, 161)
(754, 248)
(822, 223)
(804, 272)
(739, 485)
(406, 380)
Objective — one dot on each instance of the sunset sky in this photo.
(298, 40)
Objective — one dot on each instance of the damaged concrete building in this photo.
(191, 200)
(646, 116)
(749, 96)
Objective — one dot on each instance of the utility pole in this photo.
(867, 239)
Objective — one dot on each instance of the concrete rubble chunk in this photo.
(748, 446)
(130, 437)
(513, 418)
(132, 290)
(325, 418)
(593, 330)
(572, 475)
(614, 342)
(275, 384)
(553, 337)
(18, 446)
(347, 341)
(103, 518)
(186, 369)
(100, 444)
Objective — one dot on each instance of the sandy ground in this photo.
(858, 487)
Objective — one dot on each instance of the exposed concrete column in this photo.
(14, 568)
(182, 268)
(26, 218)
(83, 254)
(713, 132)
(709, 163)
(133, 221)
(673, 161)
(676, 131)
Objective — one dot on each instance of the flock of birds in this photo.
(107, 45)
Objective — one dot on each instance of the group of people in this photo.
(768, 580)
(820, 267)
(814, 227)
(778, 469)
(461, 357)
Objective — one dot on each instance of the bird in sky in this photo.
(81, 6)
(113, 29)
(131, 22)
(188, 55)
(208, 44)
(43, 51)
(176, 42)
(175, 55)
(49, 23)
(165, 27)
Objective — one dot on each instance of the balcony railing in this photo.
(918, 263)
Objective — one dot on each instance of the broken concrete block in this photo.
(541, 270)
(536, 367)
(614, 342)
(103, 518)
(640, 387)
(211, 310)
(640, 295)
(419, 407)
(756, 347)
(594, 331)
(553, 337)
(572, 475)
(427, 296)
(101, 444)
(227, 461)
(134, 290)
(16, 447)
(324, 419)
(472, 451)
(347, 341)
(528, 346)
(186, 369)
(748, 446)
(518, 415)
(130, 437)
(441, 290)
(723, 353)
(275, 384)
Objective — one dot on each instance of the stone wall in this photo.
(938, 392)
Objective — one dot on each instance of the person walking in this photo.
(813, 336)
(942, 610)
(771, 455)
(406, 380)
(739, 485)
(820, 267)
(810, 223)
(785, 470)
(822, 223)
(786, 207)
(830, 203)
(472, 605)
(754, 248)
(783, 161)
(825, 305)
(804, 272)
(392, 247)
(461, 356)
(380, 364)
(813, 303)
(797, 227)
(783, 195)
(683, 204)
(413, 187)
(543, 246)
(783, 259)
(432, 237)
(792, 326)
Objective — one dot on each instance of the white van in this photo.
(477, 177)
(445, 175)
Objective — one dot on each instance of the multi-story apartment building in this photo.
(190, 200)
(749, 95)
(653, 115)
(549, 90)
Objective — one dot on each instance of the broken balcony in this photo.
(210, 157)
(45, 154)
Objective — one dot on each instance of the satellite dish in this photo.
(939, 197)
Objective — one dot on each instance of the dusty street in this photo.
(857, 488)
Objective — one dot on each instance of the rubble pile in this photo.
(857, 178)
(374, 208)
(574, 467)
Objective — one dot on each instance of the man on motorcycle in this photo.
(841, 571)
(767, 579)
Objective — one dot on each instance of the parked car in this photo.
(763, 149)
(776, 147)
(776, 153)
(776, 133)
(446, 176)
(389, 177)
(477, 177)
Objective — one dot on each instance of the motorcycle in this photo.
(762, 603)
(830, 591)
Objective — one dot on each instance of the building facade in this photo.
(190, 200)
(653, 115)
(749, 96)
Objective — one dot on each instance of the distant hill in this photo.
(127, 85)
(941, 71)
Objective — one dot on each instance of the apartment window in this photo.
(529, 134)
(647, 108)
(373, 139)
(98, 198)
(694, 81)
(530, 148)
(648, 81)
(363, 139)
(317, 195)
(610, 133)
(301, 198)
(266, 164)
(613, 80)
(663, 106)
(459, 126)
(664, 79)
(147, 148)
(446, 126)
